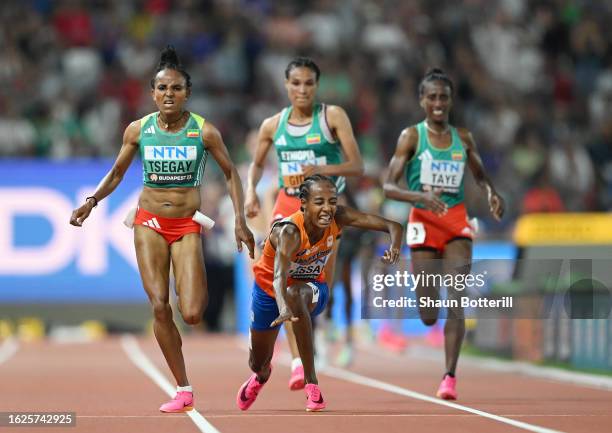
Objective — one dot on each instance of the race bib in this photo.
(291, 171)
(415, 234)
(170, 164)
(445, 175)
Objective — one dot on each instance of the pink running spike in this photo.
(182, 402)
(296, 381)
(447, 391)
(248, 392)
(314, 398)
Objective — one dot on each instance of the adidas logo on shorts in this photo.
(152, 223)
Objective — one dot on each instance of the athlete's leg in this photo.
(153, 255)
(261, 349)
(190, 275)
(425, 263)
(299, 300)
(457, 260)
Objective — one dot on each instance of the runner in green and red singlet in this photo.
(173, 144)
(434, 155)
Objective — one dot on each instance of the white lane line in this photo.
(349, 376)
(137, 356)
(373, 383)
(344, 415)
(558, 375)
(8, 349)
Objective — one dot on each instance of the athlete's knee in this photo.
(294, 297)
(192, 315)
(161, 310)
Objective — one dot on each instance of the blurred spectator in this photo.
(75, 72)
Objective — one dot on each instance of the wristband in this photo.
(95, 200)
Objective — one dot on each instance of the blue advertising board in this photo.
(45, 259)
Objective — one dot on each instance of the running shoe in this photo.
(182, 402)
(296, 381)
(248, 392)
(314, 398)
(447, 391)
(391, 340)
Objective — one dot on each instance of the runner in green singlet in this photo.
(173, 144)
(433, 155)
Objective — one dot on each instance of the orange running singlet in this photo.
(308, 263)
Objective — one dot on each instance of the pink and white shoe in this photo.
(248, 392)
(296, 381)
(314, 398)
(182, 402)
(447, 391)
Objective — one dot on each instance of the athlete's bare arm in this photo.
(265, 137)
(114, 177)
(406, 148)
(496, 202)
(286, 240)
(215, 145)
(340, 126)
(347, 216)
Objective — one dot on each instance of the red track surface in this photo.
(110, 394)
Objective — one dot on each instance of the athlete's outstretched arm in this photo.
(287, 240)
(215, 145)
(265, 137)
(347, 216)
(496, 202)
(340, 124)
(114, 177)
(405, 150)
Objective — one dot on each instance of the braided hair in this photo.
(303, 62)
(435, 74)
(309, 182)
(169, 60)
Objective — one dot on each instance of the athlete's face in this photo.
(170, 92)
(301, 87)
(320, 206)
(436, 100)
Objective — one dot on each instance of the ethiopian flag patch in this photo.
(313, 138)
(192, 133)
(457, 156)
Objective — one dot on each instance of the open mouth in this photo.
(325, 219)
(168, 103)
(438, 112)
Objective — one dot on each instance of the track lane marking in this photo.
(359, 379)
(138, 357)
(8, 349)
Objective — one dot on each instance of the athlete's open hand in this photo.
(311, 170)
(80, 214)
(496, 205)
(251, 204)
(285, 315)
(432, 201)
(244, 235)
(390, 256)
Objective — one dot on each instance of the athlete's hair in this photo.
(435, 74)
(303, 62)
(169, 60)
(310, 181)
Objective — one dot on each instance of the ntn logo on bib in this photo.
(171, 153)
(444, 174)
